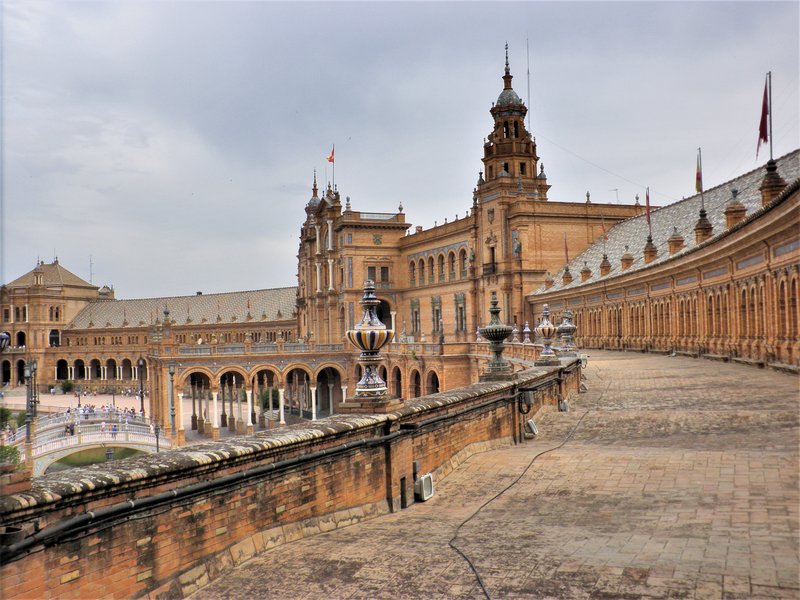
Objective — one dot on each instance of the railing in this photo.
(194, 350)
(108, 438)
(265, 347)
(231, 349)
(330, 347)
(489, 268)
(295, 347)
(53, 426)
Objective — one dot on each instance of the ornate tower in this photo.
(509, 153)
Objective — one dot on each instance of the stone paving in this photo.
(678, 479)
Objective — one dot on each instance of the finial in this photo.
(400, 208)
(314, 189)
(507, 69)
(637, 199)
(588, 200)
(347, 203)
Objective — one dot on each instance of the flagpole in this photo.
(769, 85)
(700, 171)
(530, 105)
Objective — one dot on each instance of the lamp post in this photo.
(28, 374)
(157, 430)
(171, 369)
(141, 364)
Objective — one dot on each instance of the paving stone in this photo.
(677, 478)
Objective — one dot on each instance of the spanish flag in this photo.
(330, 156)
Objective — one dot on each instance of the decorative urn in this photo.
(495, 333)
(369, 336)
(545, 331)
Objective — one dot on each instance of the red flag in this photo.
(647, 207)
(698, 180)
(566, 250)
(762, 125)
(330, 156)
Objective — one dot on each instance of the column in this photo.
(214, 422)
(249, 428)
(344, 393)
(330, 233)
(330, 396)
(316, 229)
(280, 406)
(181, 432)
(316, 264)
(313, 403)
(55, 373)
(330, 274)
(394, 329)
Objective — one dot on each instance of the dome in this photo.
(508, 96)
(314, 202)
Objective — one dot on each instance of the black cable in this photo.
(508, 487)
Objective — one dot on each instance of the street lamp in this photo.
(30, 375)
(157, 430)
(171, 369)
(141, 364)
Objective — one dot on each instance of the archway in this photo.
(396, 383)
(432, 383)
(197, 386)
(5, 375)
(297, 393)
(265, 396)
(384, 313)
(21, 339)
(80, 370)
(126, 369)
(232, 396)
(95, 370)
(62, 370)
(416, 384)
(329, 391)
(111, 370)
(20, 372)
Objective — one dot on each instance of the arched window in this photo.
(431, 271)
(452, 265)
(412, 273)
(441, 267)
(462, 261)
(421, 271)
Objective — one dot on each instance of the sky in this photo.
(165, 148)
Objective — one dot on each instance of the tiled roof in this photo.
(682, 215)
(54, 275)
(232, 307)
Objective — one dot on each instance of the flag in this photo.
(330, 156)
(762, 125)
(647, 207)
(698, 179)
(603, 225)
(566, 250)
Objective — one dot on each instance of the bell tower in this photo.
(509, 152)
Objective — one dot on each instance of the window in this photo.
(371, 273)
(6, 315)
(505, 167)
(516, 129)
(522, 168)
(412, 273)
(385, 274)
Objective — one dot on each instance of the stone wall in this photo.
(165, 524)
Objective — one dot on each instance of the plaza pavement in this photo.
(677, 478)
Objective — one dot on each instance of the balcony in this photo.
(489, 268)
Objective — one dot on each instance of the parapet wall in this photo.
(165, 524)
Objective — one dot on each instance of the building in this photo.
(714, 275)
(246, 349)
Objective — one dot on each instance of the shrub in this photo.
(5, 416)
(9, 454)
(67, 386)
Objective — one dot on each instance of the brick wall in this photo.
(199, 511)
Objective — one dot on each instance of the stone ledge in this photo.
(720, 357)
(747, 361)
(783, 367)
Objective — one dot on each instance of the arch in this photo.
(431, 270)
(462, 262)
(126, 368)
(329, 390)
(54, 338)
(382, 373)
(422, 271)
(5, 373)
(451, 266)
(20, 339)
(62, 370)
(111, 369)
(20, 372)
(793, 316)
(95, 369)
(79, 369)
(396, 383)
(440, 267)
(412, 273)
(416, 384)
(297, 394)
(384, 312)
(432, 382)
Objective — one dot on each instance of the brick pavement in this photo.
(680, 481)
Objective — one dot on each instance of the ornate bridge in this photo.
(58, 435)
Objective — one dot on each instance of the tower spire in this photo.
(507, 77)
(314, 189)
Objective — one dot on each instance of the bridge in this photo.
(56, 436)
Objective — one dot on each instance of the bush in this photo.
(9, 454)
(67, 386)
(5, 416)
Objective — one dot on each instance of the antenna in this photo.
(90, 268)
(530, 106)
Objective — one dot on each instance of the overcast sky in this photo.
(175, 142)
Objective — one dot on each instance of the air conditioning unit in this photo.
(530, 427)
(423, 487)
